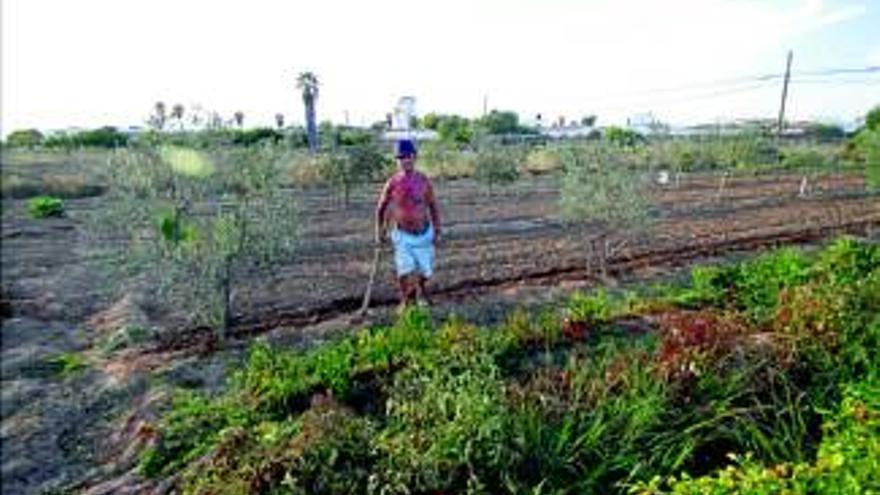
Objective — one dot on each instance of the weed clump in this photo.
(45, 206)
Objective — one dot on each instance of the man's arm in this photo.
(381, 207)
(433, 210)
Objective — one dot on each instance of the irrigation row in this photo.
(254, 325)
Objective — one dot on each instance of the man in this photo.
(416, 218)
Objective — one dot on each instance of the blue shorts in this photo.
(414, 253)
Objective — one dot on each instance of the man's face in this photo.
(406, 162)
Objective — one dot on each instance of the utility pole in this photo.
(784, 95)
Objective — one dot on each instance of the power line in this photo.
(757, 78)
(688, 98)
(828, 72)
(836, 81)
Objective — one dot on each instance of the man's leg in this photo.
(402, 289)
(422, 294)
(405, 265)
(424, 257)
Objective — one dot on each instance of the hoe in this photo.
(365, 305)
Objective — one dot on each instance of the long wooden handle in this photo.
(377, 253)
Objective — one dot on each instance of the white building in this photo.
(404, 112)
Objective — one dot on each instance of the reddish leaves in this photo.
(692, 340)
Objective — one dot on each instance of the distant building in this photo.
(570, 131)
(404, 113)
(647, 124)
(415, 134)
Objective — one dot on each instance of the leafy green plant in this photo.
(446, 430)
(125, 337)
(846, 462)
(757, 283)
(67, 364)
(459, 408)
(216, 216)
(325, 451)
(45, 206)
(601, 196)
(868, 143)
(188, 431)
(804, 159)
(353, 166)
(24, 138)
(623, 137)
(498, 165)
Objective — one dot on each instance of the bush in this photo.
(867, 146)
(872, 119)
(845, 464)
(251, 137)
(542, 160)
(104, 137)
(497, 165)
(25, 138)
(805, 159)
(45, 206)
(445, 161)
(826, 132)
(623, 137)
(354, 166)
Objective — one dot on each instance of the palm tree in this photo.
(239, 118)
(157, 120)
(307, 82)
(279, 120)
(177, 114)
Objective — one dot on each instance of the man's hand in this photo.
(381, 236)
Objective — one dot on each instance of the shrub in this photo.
(804, 159)
(45, 206)
(868, 146)
(255, 136)
(443, 161)
(354, 166)
(846, 462)
(623, 137)
(601, 196)
(447, 431)
(757, 284)
(497, 165)
(201, 220)
(104, 137)
(25, 138)
(325, 451)
(542, 160)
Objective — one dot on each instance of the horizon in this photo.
(686, 63)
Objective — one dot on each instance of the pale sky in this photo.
(106, 62)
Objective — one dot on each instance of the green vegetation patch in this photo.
(771, 362)
(187, 162)
(45, 206)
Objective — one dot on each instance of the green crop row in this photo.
(769, 362)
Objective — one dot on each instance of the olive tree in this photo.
(600, 196)
(498, 165)
(197, 223)
(349, 167)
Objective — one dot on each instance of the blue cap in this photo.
(404, 147)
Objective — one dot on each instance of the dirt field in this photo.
(500, 249)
